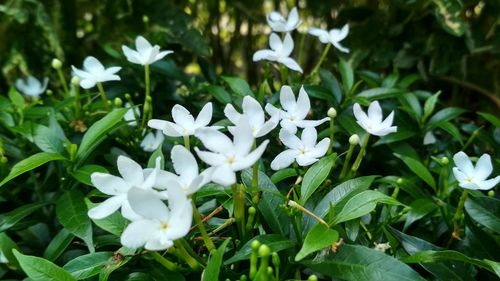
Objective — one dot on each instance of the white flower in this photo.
(159, 225)
(305, 150)
(145, 54)
(278, 23)
(31, 86)
(132, 175)
(372, 123)
(293, 111)
(152, 141)
(226, 156)
(429, 138)
(471, 177)
(280, 52)
(184, 123)
(333, 36)
(254, 113)
(131, 114)
(3, 258)
(186, 168)
(94, 72)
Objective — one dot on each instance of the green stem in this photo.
(182, 253)
(471, 139)
(163, 261)
(284, 75)
(357, 162)
(346, 161)
(301, 48)
(186, 142)
(255, 180)
(197, 218)
(147, 109)
(103, 95)
(460, 209)
(78, 104)
(239, 208)
(332, 126)
(63, 81)
(323, 57)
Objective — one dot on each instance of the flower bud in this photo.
(75, 80)
(128, 96)
(264, 251)
(4, 160)
(332, 113)
(145, 19)
(255, 244)
(491, 193)
(118, 102)
(354, 140)
(312, 278)
(399, 181)
(243, 277)
(56, 64)
(276, 259)
(49, 92)
(444, 161)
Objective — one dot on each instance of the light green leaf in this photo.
(418, 168)
(31, 163)
(83, 174)
(315, 176)
(445, 114)
(320, 236)
(219, 93)
(6, 246)
(239, 86)
(495, 121)
(429, 105)
(380, 93)
(347, 76)
(72, 214)
(215, 263)
(39, 269)
(283, 174)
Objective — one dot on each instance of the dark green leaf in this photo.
(320, 236)
(239, 86)
(380, 93)
(347, 75)
(275, 241)
(214, 263)
(219, 93)
(83, 174)
(419, 209)
(8, 220)
(485, 211)
(39, 269)
(330, 82)
(6, 246)
(57, 246)
(283, 174)
(445, 114)
(495, 121)
(418, 168)
(315, 176)
(429, 105)
(88, 265)
(72, 214)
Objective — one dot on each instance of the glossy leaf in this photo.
(347, 75)
(9, 219)
(72, 214)
(418, 168)
(320, 236)
(215, 262)
(88, 265)
(315, 176)
(41, 269)
(58, 245)
(239, 86)
(485, 211)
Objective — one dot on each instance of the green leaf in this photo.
(114, 224)
(452, 130)
(330, 82)
(315, 176)
(495, 266)
(429, 105)
(117, 260)
(380, 93)
(47, 140)
(88, 265)
(215, 263)
(31, 163)
(275, 242)
(16, 98)
(39, 269)
(271, 199)
(239, 86)
(98, 132)
(485, 211)
(8, 220)
(445, 114)
(57, 246)
(495, 121)
(283, 174)
(152, 159)
(6, 246)
(83, 174)
(339, 193)
(354, 262)
(418, 168)
(347, 76)
(362, 204)
(219, 93)
(319, 237)
(419, 209)
(72, 214)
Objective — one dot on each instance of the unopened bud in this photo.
(354, 140)
(312, 278)
(264, 251)
(75, 80)
(145, 19)
(276, 259)
(445, 161)
(118, 102)
(128, 97)
(332, 113)
(56, 64)
(399, 181)
(491, 193)
(49, 92)
(255, 244)
(4, 160)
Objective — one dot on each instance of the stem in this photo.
(163, 261)
(197, 218)
(63, 81)
(78, 104)
(255, 179)
(186, 142)
(332, 123)
(357, 162)
(103, 95)
(226, 223)
(471, 139)
(346, 161)
(323, 57)
(296, 205)
(147, 110)
(182, 252)
(301, 48)
(239, 207)
(460, 209)
(284, 75)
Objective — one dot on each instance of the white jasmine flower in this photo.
(280, 52)
(293, 111)
(132, 175)
(304, 150)
(3, 258)
(184, 123)
(381, 247)
(159, 225)
(226, 156)
(278, 23)
(152, 141)
(471, 177)
(145, 53)
(333, 36)
(94, 72)
(131, 114)
(31, 86)
(429, 138)
(254, 113)
(187, 174)
(372, 123)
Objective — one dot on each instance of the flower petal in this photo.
(92, 65)
(483, 167)
(284, 159)
(107, 207)
(463, 163)
(253, 111)
(182, 117)
(375, 113)
(287, 99)
(109, 184)
(304, 160)
(224, 175)
(309, 137)
(185, 164)
(142, 45)
(291, 63)
(360, 116)
(211, 158)
(293, 19)
(287, 46)
(264, 55)
(158, 245)
(320, 149)
(231, 113)
(488, 184)
(275, 43)
(157, 124)
(138, 233)
(132, 56)
(303, 104)
(214, 140)
(130, 171)
(243, 137)
(204, 116)
(147, 204)
(290, 140)
(250, 159)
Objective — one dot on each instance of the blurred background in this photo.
(452, 45)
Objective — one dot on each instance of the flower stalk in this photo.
(147, 107)
(239, 207)
(297, 206)
(322, 58)
(186, 142)
(103, 95)
(163, 261)
(459, 213)
(357, 162)
(197, 218)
